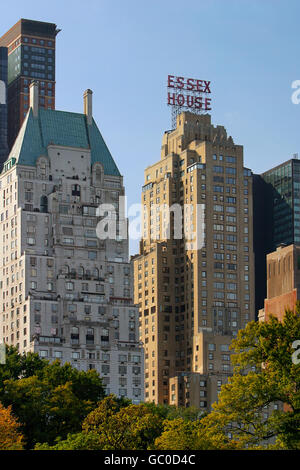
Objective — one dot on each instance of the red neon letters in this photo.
(185, 99)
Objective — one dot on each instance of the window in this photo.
(230, 159)
(218, 169)
(92, 255)
(69, 241)
(231, 200)
(225, 357)
(136, 359)
(218, 189)
(105, 335)
(90, 336)
(87, 309)
(230, 171)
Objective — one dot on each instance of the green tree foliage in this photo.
(132, 427)
(171, 412)
(114, 425)
(50, 400)
(180, 434)
(264, 376)
(79, 441)
(64, 409)
(18, 365)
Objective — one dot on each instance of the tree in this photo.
(10, 436)
(50, 400)
(180, 434)
(79, 441)
(20, 365)
(115, 424)
(133, 427)
(264, 379)
(171, 412)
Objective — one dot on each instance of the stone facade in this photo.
(194, 300)
(66, 293)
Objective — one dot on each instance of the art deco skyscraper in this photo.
(193, 301)
(31, 56)
(65, 293)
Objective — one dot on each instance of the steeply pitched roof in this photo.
(60, 128)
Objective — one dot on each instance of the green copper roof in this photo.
(60, 128)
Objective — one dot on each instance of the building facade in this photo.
(31, 56)
(192, 300)
(3, 106)
(283, 281)
(66, 293)
(276, 195)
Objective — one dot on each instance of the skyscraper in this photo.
(3, 105)
(31, 55)
(276, 199)
(192, 300)
(66, 293)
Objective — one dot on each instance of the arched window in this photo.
(98, 175)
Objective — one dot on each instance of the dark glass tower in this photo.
(31, 56)
(276, 209)
(3, 106)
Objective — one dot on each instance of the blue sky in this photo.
(124, 50)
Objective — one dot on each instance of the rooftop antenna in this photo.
(295, 155)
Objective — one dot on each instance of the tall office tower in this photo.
(3, 106)
(66, 293)
(193, 301)
(31, 55)
(276, 199)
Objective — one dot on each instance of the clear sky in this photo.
(124, 50)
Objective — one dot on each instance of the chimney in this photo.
(34, 97)
(87, 108)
